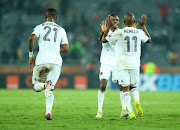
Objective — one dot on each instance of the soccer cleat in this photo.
(138, 109)
(124, 114)
(48, 116)
(132, 116)
(48, 89)
(99, 115)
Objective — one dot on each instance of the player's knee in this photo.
(35, 89)
(120, 88)
(102, 87)
(132, 87)
(126, 88)
(103, 83)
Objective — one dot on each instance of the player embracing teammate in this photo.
(127, 43)
(108, 65)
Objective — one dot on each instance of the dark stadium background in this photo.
(81, 19)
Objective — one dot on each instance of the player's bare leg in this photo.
(124, 112)
(127, 99)
(101, 94)
(135, 94)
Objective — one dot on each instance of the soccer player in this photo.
(48, 60)
(128, 41)
(108, 66)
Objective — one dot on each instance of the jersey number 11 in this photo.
(134, 38)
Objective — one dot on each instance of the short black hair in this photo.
(129, 19)
(51, 13)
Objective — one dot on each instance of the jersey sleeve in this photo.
(64, 37)
(36, 31)
(143, 36)
(113, 37)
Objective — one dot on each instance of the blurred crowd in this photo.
(81, 20)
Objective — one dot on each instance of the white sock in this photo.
(127, 99)
(135, 94)
(49, 103)
(100, 100)
(122, 101)
(38, 87)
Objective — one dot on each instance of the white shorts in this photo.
(106, 71)
(45, 72)
(128, 77)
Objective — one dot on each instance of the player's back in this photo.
(50, 36)
(130, 42)
(128, 49)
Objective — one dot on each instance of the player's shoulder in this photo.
(38, 26)
(118, 30)
(140, 31)
(59, 27)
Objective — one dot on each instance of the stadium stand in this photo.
(81, 20)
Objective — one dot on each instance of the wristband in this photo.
(30, 54)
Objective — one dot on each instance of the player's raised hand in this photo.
(31, 60)
(142, 22)
(109, 22)
(103, 26)
(135, 25)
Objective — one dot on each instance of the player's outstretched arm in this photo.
(64, 48)
(32, 38)
(142, 22)
(103, 29)
(109, 25)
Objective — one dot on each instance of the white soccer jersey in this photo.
(108, 52)
(128, 46)
(50, 36)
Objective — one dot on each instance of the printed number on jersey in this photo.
(129, 42)
(45, 38)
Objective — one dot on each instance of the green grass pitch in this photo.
(76, 109)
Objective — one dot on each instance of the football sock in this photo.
(38, 87)
(49, 103)
(127, 99)
(135, 94)
(100, 100)
(122, 101)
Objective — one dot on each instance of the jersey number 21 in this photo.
(49, 31)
